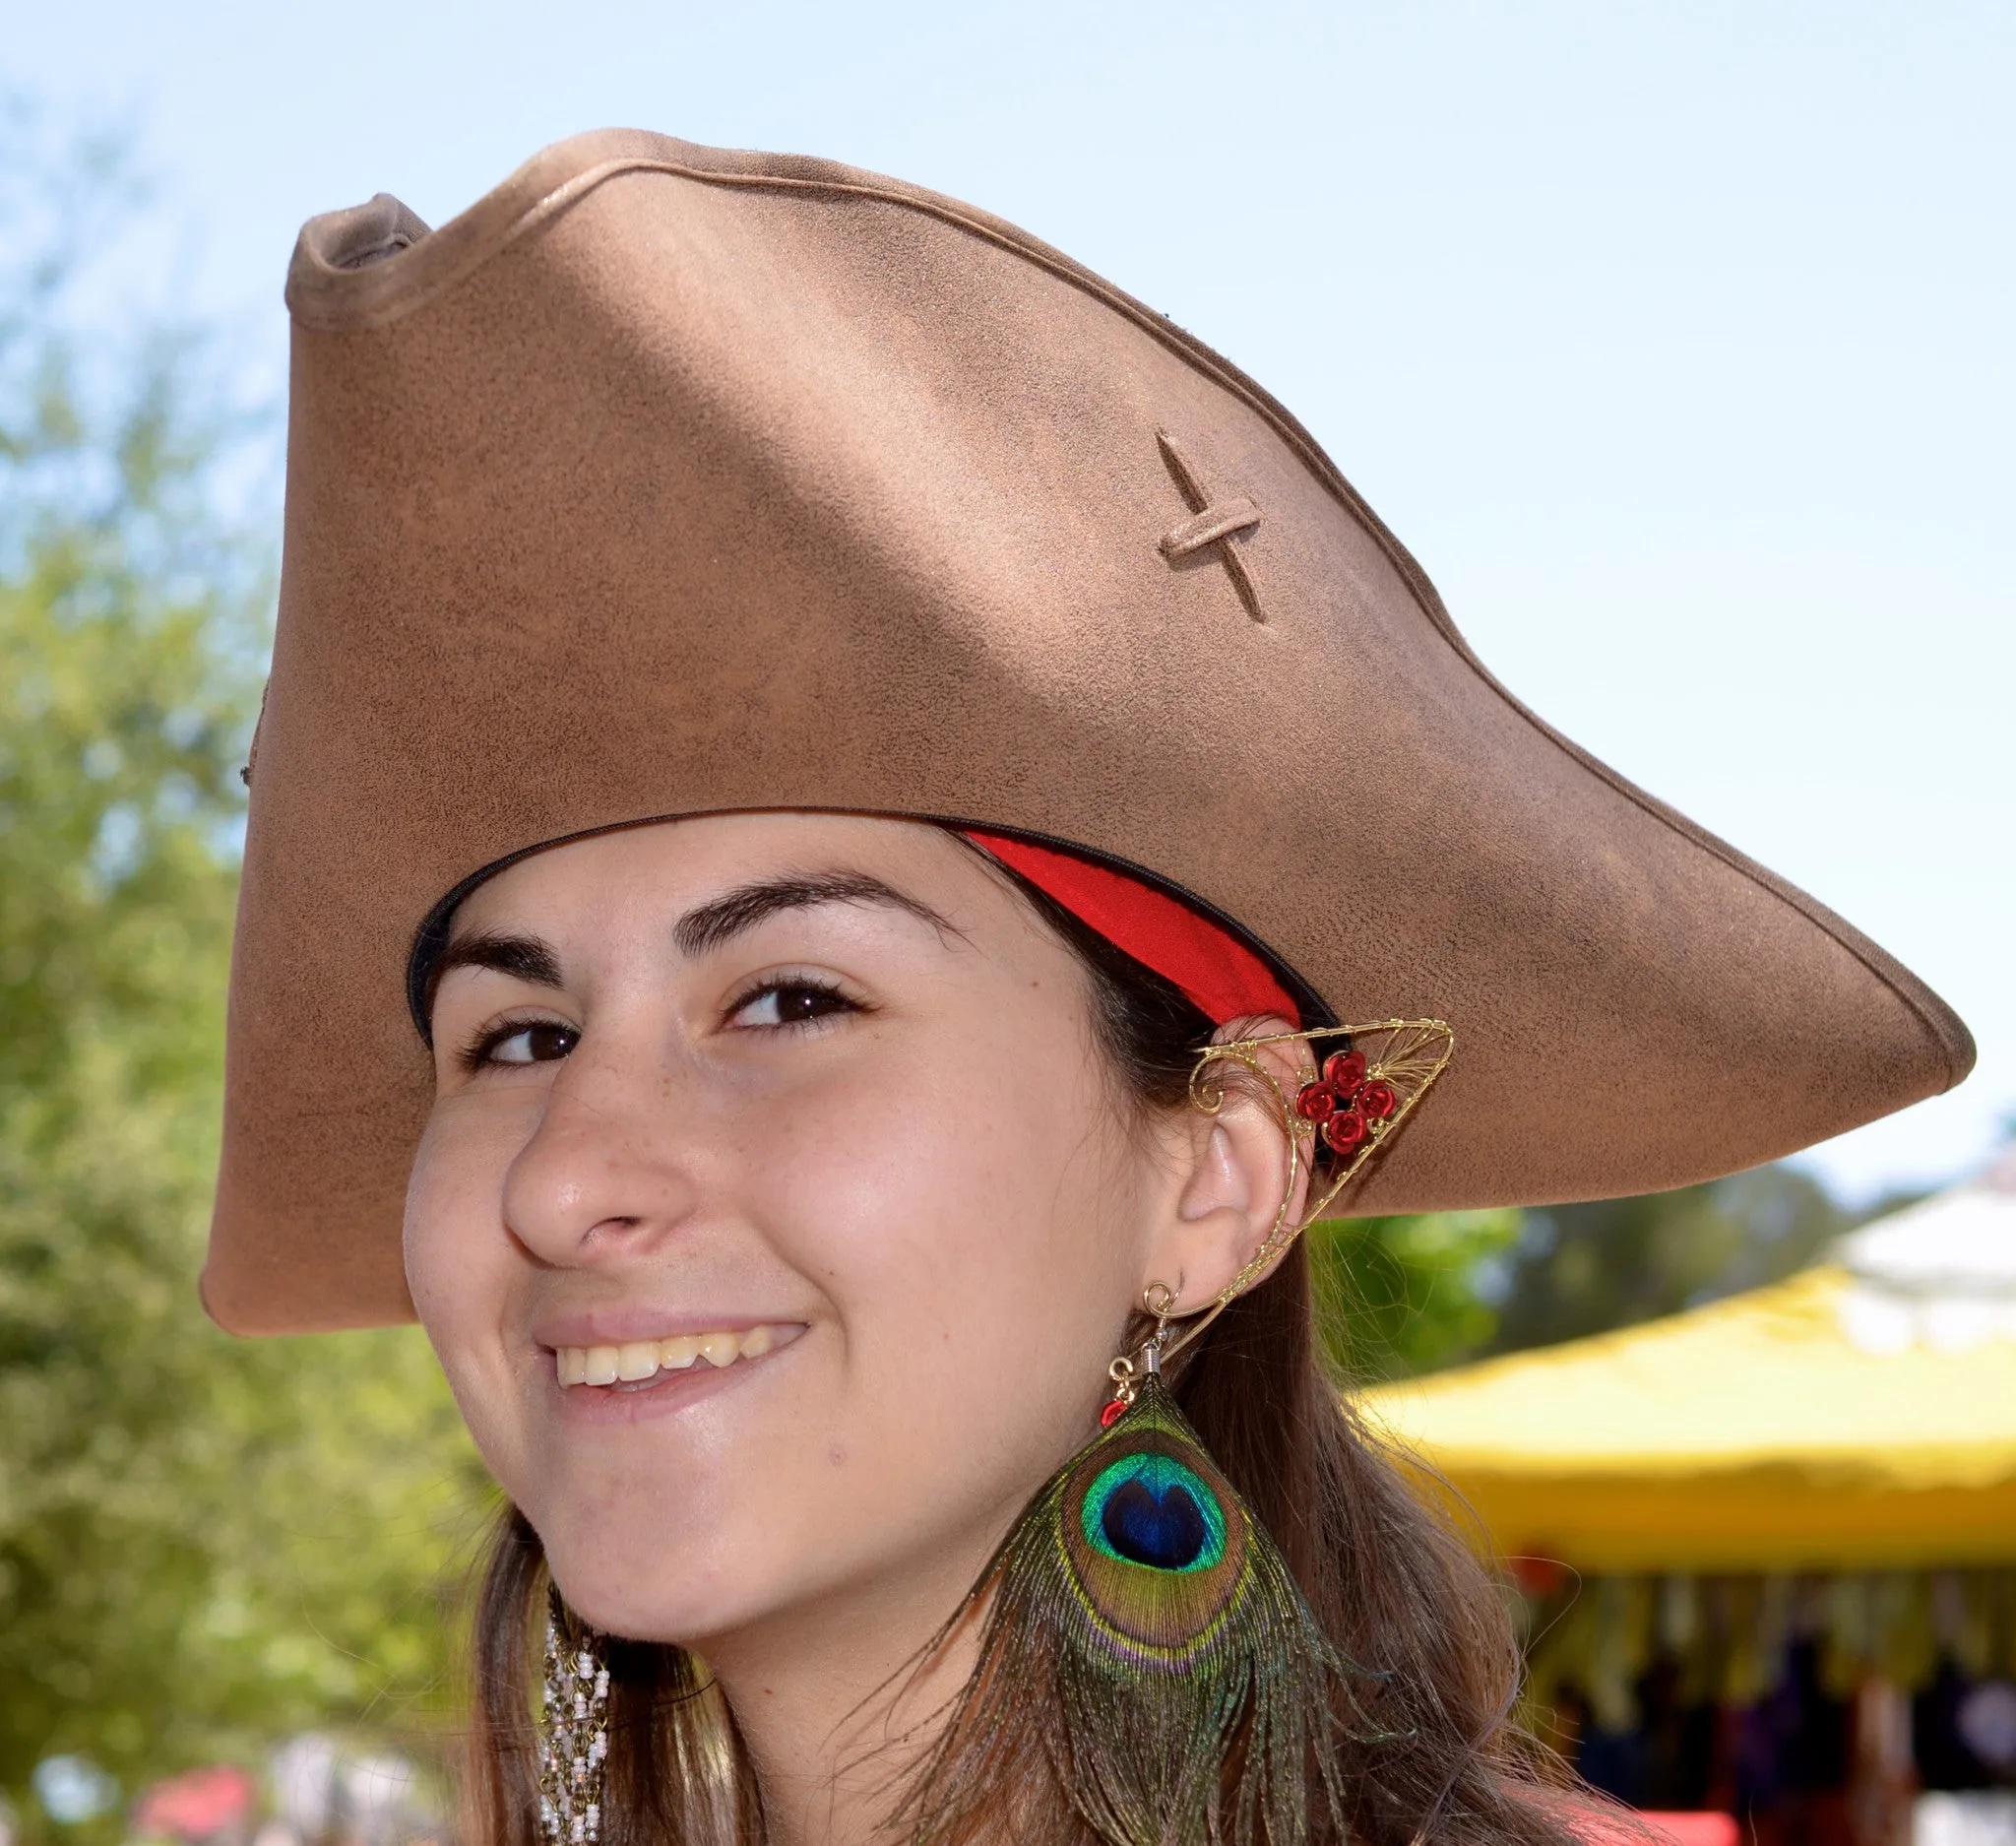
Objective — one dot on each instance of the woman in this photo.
(889, 781)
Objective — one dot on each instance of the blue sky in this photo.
(1675, 339)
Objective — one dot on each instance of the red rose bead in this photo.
(1344, 1071)
(1315, 1102)
(1113, 1414)
(1346, 1132)
(1378, 1100)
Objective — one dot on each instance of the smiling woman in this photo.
(771, 1083)
(806, 693)
(763, 1145)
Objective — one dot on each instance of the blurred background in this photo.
(1673, 338)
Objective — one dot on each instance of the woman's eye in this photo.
(539, 1044)
(790, 1004)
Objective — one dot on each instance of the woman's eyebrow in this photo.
(523, 957)
(722, 919)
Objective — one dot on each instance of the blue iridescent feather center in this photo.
(1149, 1509)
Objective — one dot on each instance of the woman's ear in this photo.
(1235, 1171)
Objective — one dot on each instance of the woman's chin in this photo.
(643, 1589)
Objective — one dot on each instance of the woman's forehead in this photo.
(706, 879)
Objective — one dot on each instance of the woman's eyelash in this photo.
(546, 1041)
(780, 1003)
(783, 1001)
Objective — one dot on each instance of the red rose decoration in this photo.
(1315, 1102)
(1344, 1071)
(1378, 1099)
(1346, 1132)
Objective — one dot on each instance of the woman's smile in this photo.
(642, 1380)
(636, 1361)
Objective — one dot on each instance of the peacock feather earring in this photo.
(1143, 1641)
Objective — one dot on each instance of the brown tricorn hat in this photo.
(667, 480)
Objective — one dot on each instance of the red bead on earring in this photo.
(1323, 1099)
(1344, 1071)
(1345, 1130)
(1317, 1102)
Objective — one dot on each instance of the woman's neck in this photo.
(837, 1703)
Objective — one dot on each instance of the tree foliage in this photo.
(1401, 1296)
(202, 1541)
(1580, 1269)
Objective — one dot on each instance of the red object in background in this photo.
(1706, 1828)
(194, 1805)
(1538, 1576)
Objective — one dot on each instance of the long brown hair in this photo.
(1396, 1589)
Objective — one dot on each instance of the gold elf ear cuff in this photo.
(1371, 1079)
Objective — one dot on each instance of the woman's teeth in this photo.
(639, 1360)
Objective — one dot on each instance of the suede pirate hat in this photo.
(667, 480)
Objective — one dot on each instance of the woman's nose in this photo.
(604, 1174)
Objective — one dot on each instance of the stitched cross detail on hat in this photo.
(1213, 524)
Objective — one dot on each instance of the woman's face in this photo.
(798, 1123)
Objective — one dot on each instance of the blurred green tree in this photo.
(1401, 1296)
(202, 1542)
(1582, 1269)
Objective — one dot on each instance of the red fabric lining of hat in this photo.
(1222, 976)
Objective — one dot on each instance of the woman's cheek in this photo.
(436, 1207)
(888, 1197)
(957, 1219)
(458, 1272)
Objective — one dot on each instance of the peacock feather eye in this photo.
(1149, 1510)
(1154, 1540)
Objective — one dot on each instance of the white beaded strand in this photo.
(574, 1741)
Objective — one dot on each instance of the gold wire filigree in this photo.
(1408, 1054)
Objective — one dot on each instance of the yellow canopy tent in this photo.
(1859, 1417)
